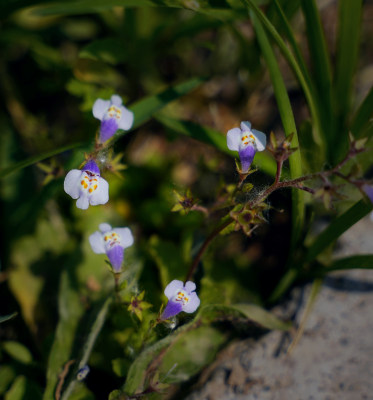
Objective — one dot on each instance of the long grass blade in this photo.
(337, 227)
(363, 117)
(347, 54)
(288, 121)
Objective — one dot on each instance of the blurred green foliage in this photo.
(189, 70)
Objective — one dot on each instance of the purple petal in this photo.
(82, 202)
(126, 238)
(91, 166)
(172, 308)
(368, 189)
(104, 227)
(246, 157)
(108, 129)
(115, 255)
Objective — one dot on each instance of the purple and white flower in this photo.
(368, 190)
(112, 242)
(113, 116)
(180, 298)
(87, 186)
(247, 142)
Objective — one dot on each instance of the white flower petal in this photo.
(246, 126)
(101, 194)
(116, 100)
(97, 243)
(172, 288)
(234, 139)
(192, 304)
(99, 108)
(126, 238)
(71, 184)
(126, 119)
(261, 140)
(190, 286)
(82, 202)
(105, 227)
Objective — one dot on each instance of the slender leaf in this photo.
(88, 346)
(310, 96)
(145, 108)
(7, 317)
(363, 116)
(215, 138)
(34, 159)
(349, 25)
(337, 227)
(353, 262)
(321, 68)
(288, 121)
(70, 312)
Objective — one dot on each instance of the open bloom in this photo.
(247, 142)
(113, 116)
(111, 241)
(87, 186)
(180, 298)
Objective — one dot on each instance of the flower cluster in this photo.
(87, 185)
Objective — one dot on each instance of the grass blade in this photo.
(353, 262)
(318, 133)
(35, 159)
(347, 55)
(287, 118)
(144, 109)
(321, 66)
(337, 227)
(363, 116)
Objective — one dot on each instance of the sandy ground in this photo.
(332, 360)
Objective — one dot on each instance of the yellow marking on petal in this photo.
(95, 187)
(90, 190)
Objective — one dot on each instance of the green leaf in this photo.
(214, 138)
(353, 262)
(307, 88)
(22, 389)
(105, 50)
(70, 311)
(168, 259)
(321, 65)
(251, 312)
(145, 108)
(363, 116)
(7, 377)
(7, 317)
(348, 43)
(337, 227)
(189, 353)
(88, 346)
(17, 351)
(34, 159)
(288, 121)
